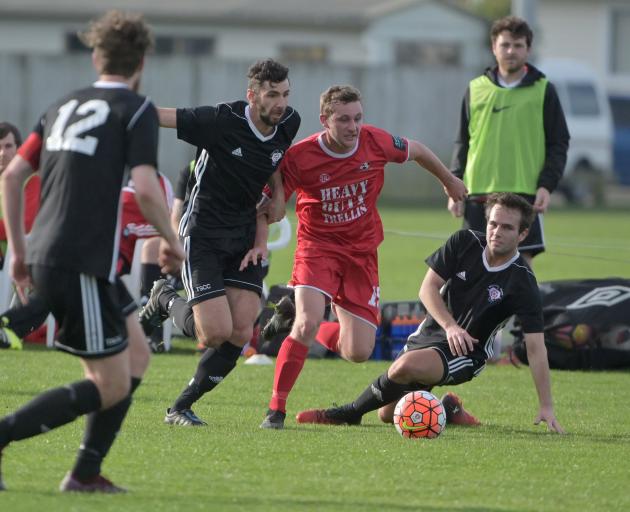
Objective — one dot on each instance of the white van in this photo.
(586, 108)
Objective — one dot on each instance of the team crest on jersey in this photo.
(495, 293)
(324, 177)
(364, 166)
(399, 143)
(276, 156)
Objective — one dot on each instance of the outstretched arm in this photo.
(539, 366)
(167, 117)
(424, 157)
(459, 341)
(259, 251)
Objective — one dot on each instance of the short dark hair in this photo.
(337, 94)
(514, 202)
(516, 26)
(6, 128)
(267, 70)
(121, 39)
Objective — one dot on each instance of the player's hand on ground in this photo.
(171, 256)
(21, 277)
(455, 207)
(455, 189)
(546, 414)
(459, 341)
(253, 256)
(541, 203)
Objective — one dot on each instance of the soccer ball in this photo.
(419, 414)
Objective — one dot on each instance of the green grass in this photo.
(508, 464)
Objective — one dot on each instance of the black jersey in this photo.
(234, 161)
(481, 298)
(89, 140)
(181, 186)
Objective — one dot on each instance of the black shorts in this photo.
(457, 369)
(475, 219)
(213, 263)
(89, 311)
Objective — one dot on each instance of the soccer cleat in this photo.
(8, 339)
(95, 484)
(455, 412)
(344, 415)
(152, 314)
(185, 418)
(274, 420)
(282, 319)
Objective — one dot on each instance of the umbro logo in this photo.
(237, 152)
(499, 109)
(461, 275)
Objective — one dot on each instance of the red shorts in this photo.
(351, 282)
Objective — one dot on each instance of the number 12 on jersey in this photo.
(64, 137)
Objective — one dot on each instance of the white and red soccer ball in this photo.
(419, 414)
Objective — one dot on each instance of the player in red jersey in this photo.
(337, 175)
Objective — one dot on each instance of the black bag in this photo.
(586, 324)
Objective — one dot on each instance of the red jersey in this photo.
(134, 225)
(337, 193)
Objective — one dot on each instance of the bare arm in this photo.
(277, 206)
(539, 366)
(167, 117)
(13, 179)
(153, 206)
(459, 341)
(176, 213)
(424, 157)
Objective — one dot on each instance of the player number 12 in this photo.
(68, 138)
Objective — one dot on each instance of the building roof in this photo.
(355, 14)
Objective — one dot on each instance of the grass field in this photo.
(505, 465)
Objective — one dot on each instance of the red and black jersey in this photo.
(234, 161)
(480, 297)
(337, 193)
(87, 140)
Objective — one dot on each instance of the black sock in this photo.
(25, 318)
(213, 367)
(182, 314)
(149, 273)
(101, 429)
(50, 410)
(381, 392)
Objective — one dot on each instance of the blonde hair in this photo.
(337, 94)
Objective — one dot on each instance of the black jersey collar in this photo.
(252, 126)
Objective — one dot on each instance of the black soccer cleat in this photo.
(274, 420)
(152, 314)
(282, 319)
(344, 415)
(184, 418)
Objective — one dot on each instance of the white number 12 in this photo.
(69, 138)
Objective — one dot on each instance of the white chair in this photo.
(132, 281)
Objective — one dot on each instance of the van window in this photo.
(582, 99)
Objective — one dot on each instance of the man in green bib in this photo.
(512, 134)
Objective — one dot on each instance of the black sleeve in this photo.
(556, 140)
(529, 309)
(142, 137)
(182, 182)
(444, 260)
(460, 151)
(197, 126)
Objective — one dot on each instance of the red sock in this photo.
(328, 335)
(288, 367)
